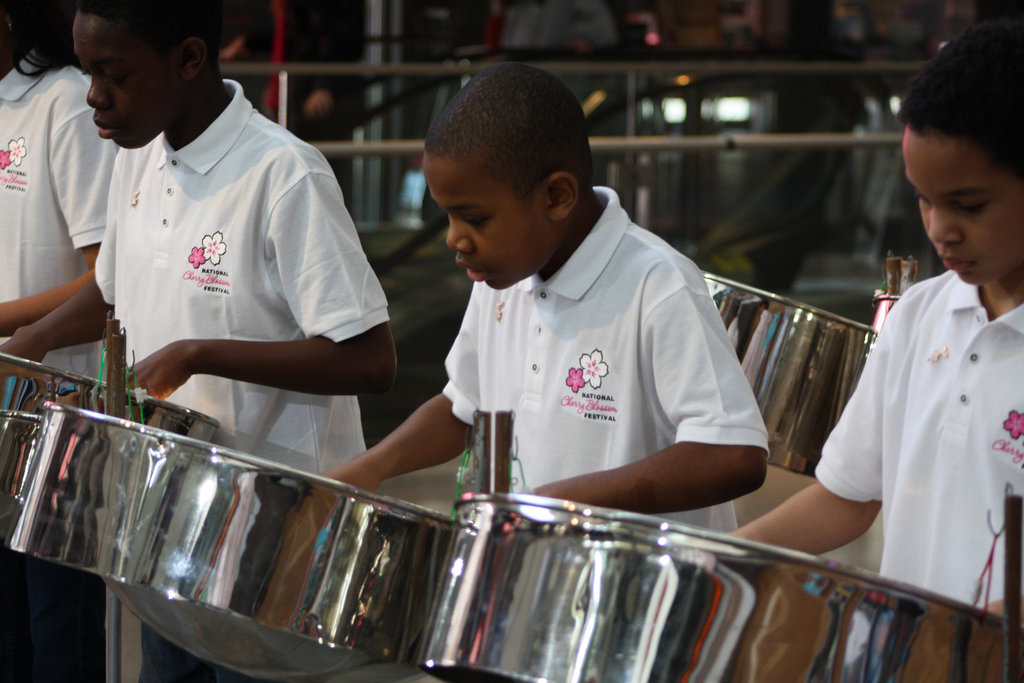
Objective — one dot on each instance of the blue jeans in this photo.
(165, 662)
(52, 622)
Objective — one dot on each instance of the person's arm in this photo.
(81, 319)
(684, 476)
(813, 520)
(29, 309)
(432, 435)
(364, 364)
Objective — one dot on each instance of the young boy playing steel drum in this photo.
(229, 255)
(934, 432)
(600, 337)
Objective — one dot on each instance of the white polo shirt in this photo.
(54, 172)
(935, 430)
(618, 355)
(241, 234)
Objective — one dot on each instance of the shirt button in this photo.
(540, 330)
(174, 162)
(974, 358)
(164, 221)
(535, 368)
(963, 399)
(543, 295)
(170, 190)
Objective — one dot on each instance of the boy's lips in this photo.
(475, 274)
(957, 265)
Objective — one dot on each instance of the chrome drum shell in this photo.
(802, 363)
(269, 571)
(17, 435)
(26, 386)
(546, 590)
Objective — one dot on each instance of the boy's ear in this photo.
(192, 57)
(563, 191)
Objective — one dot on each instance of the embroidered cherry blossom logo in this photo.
(15, 152)
(592, 369)
(575, 380)
(1014, 424)
(213, 247)
(196, 258)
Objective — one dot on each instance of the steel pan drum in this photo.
(247, 564)
(802, 363)
(25, 386)
(547, 590)
(17, 434)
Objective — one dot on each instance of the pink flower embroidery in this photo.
(1014, 424)
(594, 367)
(213, 247)
(575, 380)
(18, 150)
(196, 258)
(5, 160)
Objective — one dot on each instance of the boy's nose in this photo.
(96, 97)
(456, 239)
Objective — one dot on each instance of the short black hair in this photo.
(164, 24)
(42, 33)
(520, 122)
(973, 88)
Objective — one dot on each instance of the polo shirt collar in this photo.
(213, 144)
(15, 84)
(582, 269)
(965, 297)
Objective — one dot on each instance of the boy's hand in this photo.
(165, 370)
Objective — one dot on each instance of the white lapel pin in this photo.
(938, 354)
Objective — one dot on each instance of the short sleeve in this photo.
(81, 163)
(316, 261)
(698, 381)
(462, 362)
(851, 459)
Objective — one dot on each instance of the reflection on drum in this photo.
(17, 435)
(802, 364)
(273, 572)
(26, 386)
(545, 590)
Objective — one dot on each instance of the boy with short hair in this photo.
(600, 337)
(933, 434)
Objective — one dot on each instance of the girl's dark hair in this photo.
(42, 34)
(974, 89)
(164, 24)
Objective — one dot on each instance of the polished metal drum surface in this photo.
(547, 590)
(26, 386)
(247, 564)
(802, 364)
(17, 434)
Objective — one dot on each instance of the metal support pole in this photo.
(1011, 590)
(114, 402)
